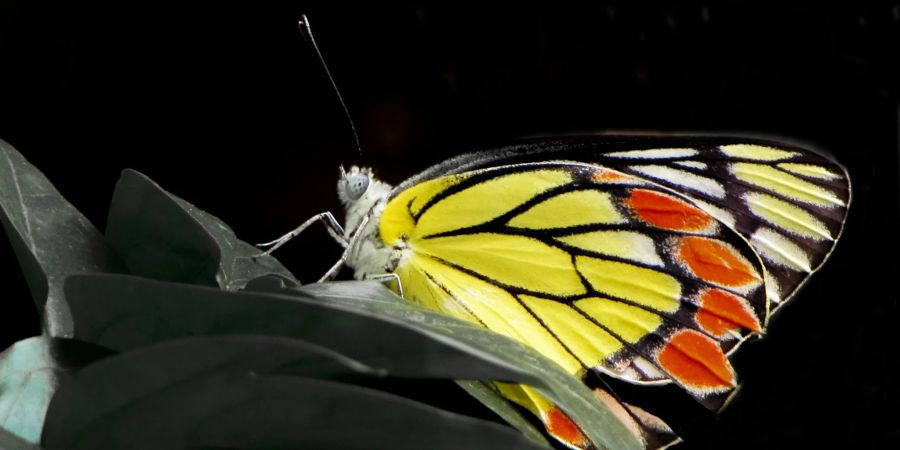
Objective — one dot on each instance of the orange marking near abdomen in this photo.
(716, 262)
(668, 212)
(721, 311)
(563, 428)
(697, 362)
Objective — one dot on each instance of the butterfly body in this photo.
(649, 259)
(370, 254)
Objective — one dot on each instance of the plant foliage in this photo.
(168, 331)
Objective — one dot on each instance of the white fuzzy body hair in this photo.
(369, 255)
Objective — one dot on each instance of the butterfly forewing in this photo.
(788, 202)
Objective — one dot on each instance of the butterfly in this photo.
(646, 258)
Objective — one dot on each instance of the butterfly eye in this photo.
(356, 185)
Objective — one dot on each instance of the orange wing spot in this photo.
(606, 175)
(721, 311)
(665, 211)
(716, 262)
(697, 362)
(563, 428)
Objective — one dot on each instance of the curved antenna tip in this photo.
(303, 24)
(306, 31)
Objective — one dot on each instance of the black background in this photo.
(224, 105)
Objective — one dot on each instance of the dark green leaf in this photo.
(503, 408)
(50, 237)
(30, 371)
(362, 320)
(117, 382)
(598, 422)
(156, 311)
(220, 408)
(163, 237)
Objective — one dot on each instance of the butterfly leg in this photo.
(333, 227)
(386, 278)
(348, 248)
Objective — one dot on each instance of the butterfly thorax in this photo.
(368, 255)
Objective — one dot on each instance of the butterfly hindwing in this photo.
(595, 268)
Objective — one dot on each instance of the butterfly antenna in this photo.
(308, 35)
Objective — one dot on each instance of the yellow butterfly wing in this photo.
(789, 202)
(587, 266)
(650, 272)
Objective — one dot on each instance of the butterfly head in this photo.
(361, 194)
(354, 183)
